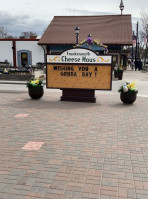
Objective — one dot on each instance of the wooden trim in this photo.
(56, 63)
(14, 52)
(19, 39)
(68, 44)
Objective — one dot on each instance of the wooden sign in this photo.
(79, 76)
(86, 70)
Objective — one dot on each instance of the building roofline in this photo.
(94, 15)
(109, 44)
(111, 34)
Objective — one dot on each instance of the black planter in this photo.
(128, 98)
(36, 93)
(115, 73)
(120, 74)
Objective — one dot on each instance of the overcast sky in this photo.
(35, 15)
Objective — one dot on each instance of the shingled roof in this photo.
(108, 29)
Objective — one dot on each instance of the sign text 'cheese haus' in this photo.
(79, 56)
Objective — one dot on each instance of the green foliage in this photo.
(128, 87)
(118, 68)
(36, 83)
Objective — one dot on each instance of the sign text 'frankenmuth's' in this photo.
(79, 56)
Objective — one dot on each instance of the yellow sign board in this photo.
(79, 76)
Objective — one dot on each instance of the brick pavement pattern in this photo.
(88, 151)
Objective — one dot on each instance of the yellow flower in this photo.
(132, 85)
(37, 81)
(128, 85)
(33, 82)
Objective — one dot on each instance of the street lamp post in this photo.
(121, 6)
(89, 35)
(77, 30)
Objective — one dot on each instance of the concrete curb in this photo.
(16, 82)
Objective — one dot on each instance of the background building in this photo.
(115, 31)
(21, 52)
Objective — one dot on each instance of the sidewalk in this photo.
(141, 79)
(76, 150)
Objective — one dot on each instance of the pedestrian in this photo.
(132, 63)
(139, 65)
(136, 64)
(129, 63)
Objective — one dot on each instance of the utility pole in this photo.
(133, 48)
(137, 42)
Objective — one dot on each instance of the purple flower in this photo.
(89, 41)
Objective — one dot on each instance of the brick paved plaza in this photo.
(81, 150)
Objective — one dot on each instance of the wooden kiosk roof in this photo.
(108, 29)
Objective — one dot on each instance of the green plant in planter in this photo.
(128, 92)
(36, 83)
(128, 87)
(118, 68)
(118, 72)
(35, 88)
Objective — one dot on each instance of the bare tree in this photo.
(26, 35)
(3, 32)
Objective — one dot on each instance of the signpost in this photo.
(79, 72)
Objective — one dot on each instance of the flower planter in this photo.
(115, 73)
(120, 74)
(128, 98)
(36, 93)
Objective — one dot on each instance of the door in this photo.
(24, 59)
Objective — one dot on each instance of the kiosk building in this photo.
(115, 31)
